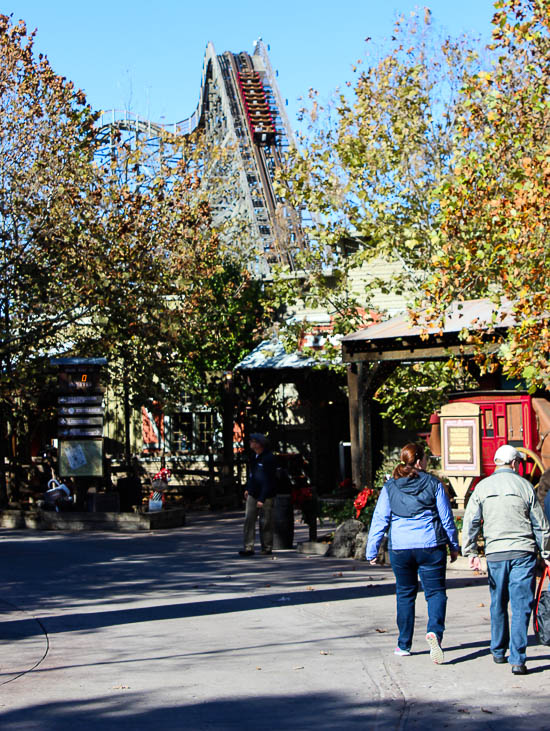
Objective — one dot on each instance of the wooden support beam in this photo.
(354, 390)
(363, 382)
(418, 351)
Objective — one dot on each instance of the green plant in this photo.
(339, 510)
(385, 471)
(336, 511)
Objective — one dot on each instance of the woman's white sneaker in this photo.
(400, 652)
(436, 653)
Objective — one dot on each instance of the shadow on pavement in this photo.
(90, 621)
(124, 710)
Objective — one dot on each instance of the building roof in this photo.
(398, 339)
(271, 354)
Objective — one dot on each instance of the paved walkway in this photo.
(172, 630)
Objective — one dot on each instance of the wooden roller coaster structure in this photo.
(240, 109)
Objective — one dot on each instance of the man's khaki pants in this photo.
(266, 523)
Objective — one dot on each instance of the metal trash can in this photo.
(283, 522)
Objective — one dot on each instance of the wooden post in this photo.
(211, 482)
(461, 485)
(354, 370)
(363, 381)
(227, 478)
(367, 464)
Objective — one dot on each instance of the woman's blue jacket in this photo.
(417, 512)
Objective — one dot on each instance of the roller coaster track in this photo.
(239, 107)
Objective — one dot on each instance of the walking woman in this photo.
(414, 507)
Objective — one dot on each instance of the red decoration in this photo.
(164, 474)
(361, 500)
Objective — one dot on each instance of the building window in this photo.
(204, 431)
(182, 432)
(193, 432)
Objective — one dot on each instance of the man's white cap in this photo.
(506, 454)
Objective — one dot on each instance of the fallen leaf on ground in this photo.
(258, 668)
(324, 652)
(310, 588)
(486, 710)
(463, 710)
(121, 687)
(481, 605)
(298, 667)
(339, 573)
(381, 630)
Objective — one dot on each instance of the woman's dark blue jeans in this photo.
(430, 565)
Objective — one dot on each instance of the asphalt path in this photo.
(173, 630)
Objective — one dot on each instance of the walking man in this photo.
(259, 496)
(514, 525)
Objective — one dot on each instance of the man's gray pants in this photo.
(266, 523)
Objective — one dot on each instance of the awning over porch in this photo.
(397, 339)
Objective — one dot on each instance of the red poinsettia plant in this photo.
(301, 495)
(303, 499)
(361, 500)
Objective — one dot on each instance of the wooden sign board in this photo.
(461, 439)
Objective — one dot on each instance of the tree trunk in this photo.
(126, 399)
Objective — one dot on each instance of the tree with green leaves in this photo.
(112, 255)
(370, 167)
(172, 304)
(369, 170)
(46, 180)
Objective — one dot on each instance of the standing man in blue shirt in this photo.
(260, 495)
(514, 526)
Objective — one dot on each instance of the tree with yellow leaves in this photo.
(495, 204)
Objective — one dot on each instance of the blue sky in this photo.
(147, 57)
